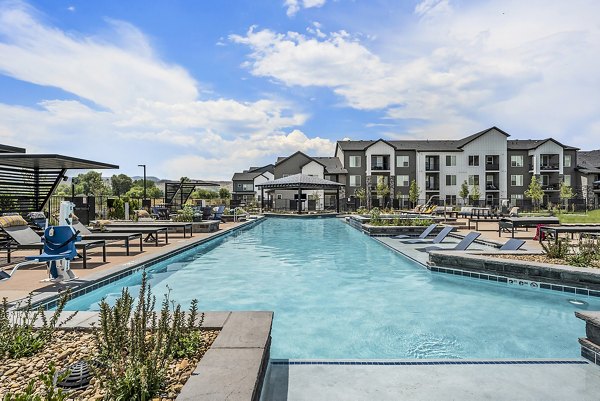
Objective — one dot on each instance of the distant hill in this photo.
(149, 178)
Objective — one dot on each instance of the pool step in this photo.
(590, 346)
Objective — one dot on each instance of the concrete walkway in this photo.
(464, 380)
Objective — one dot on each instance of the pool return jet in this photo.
(59, 248)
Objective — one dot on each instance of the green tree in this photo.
(120, 184)
(475, 193)
(92, 184)
(566, 193)
(63, 190)
(224, 193)
(535, 192)
(202, 193)
(383, 190)
(361, 194)
(464, 191)
(413, 193)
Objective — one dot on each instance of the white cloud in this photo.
(132, 107)
(293, 6)
(530, 67)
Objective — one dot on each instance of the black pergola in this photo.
(28, 180)
(178, 192)
(300, 182)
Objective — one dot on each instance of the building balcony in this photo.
(432, 186)
(550, 167)
(432, 167)
(380, 167)
(492, 167)
(551, 187)
(492, 187)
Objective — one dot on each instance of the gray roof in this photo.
(333, 165)
(300, 181)
(11, 149)
(252, 173)
(589, 161)
(50, 161)
(434, 145)
(528, 144)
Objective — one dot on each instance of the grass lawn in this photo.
(592, 216)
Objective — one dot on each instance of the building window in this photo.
(402, 181)
(567, 161)
(516, 180)
(450, 161)
(279, 196)
(355, 161)
(516, 199)
(239, 186)
(474, 180)
(451, 200)
(331, 178)
(450, 180)
(355, 181)
(401, 161)
(473, 160)
(285, 175)
(489, 159)
(247, 187)
(545, 179)
(567, 179)
(516, 161)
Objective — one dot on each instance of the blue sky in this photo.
(206, 88)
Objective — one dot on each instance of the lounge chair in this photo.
(461, 246)
(86, 234)
(423, 235)
(512, 244)
(219, 213)
(23, 237)
(438, 238)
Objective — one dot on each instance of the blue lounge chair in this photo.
(512, 244)
(438, 238)
(461, 246)
(423, 235)
(219, 213)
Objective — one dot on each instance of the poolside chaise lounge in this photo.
(86, 234)
(151, 224)
(461, 246)
(512, 244)
(21, 236)
(438, 238)
(423, 235)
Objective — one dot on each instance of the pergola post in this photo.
(299, 200)
(337, 199)
(262, 199)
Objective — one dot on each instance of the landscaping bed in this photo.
(544, 259)
(70, 346)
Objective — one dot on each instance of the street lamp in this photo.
(144, 166)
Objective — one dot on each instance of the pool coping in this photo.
(233, 368)
(80, 287)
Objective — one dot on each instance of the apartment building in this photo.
(588, 169)
(245, 191)
(500, 168)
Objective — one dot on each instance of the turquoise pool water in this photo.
(337, 293)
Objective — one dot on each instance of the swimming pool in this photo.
(337, 293)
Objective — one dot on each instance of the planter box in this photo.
(228, 218)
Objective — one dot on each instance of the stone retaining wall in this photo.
(552, 274)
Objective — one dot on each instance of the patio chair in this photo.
(219, 213)
(423, 235)
(207, 213)
(512, 244)
(438, 238)
(21, 236)
(461, 246)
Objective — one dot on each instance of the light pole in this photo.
(144, 166)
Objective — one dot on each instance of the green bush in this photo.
(18, 335)
(362, 210)
(585, 253)
(186, 214)
(136, 345)
(375, 214)
(556, 250)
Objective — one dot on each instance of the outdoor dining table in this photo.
(578, 229)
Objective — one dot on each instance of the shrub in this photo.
(362, 210)
(375, 214)
(186, 214)
(556, 250)
(136, 345)
(18, 335)
(584, 253)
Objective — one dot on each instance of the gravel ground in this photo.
(543, 259)
(69, 347)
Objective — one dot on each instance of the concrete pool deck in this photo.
(27, 279)
(573, 379)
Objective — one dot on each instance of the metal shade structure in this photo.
(28, 180)
(178, 192)
(300, 182)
